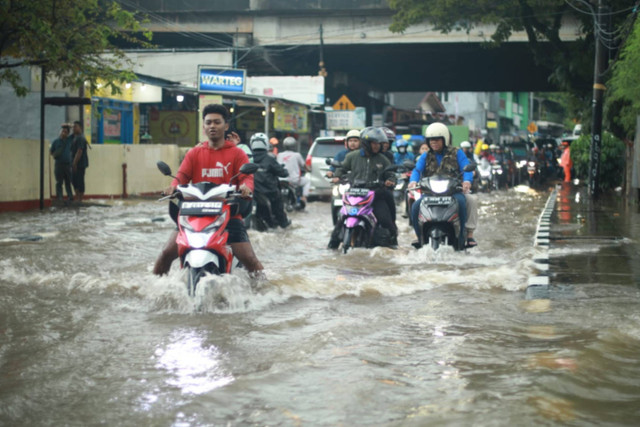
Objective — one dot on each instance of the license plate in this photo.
(200, 208)
(358, 192)
(337, 202)
(437, 200)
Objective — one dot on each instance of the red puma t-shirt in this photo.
(203, 163)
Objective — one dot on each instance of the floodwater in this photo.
(378, 337)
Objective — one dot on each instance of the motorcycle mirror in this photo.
(249, 168)
(328, 161)
(164, 168)
(335, 163)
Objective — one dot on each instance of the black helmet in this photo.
(371, 134)
(391, 136)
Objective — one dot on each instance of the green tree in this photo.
(623, 102)
(541, 20)
(612, 160)
(69, 38)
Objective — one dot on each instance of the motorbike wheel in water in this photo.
(289, 200)
(346, 240)
(196, 274)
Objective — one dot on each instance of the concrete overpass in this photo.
(288, 37)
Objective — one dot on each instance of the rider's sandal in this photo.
(471, 242)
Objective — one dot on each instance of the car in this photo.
(322, 148)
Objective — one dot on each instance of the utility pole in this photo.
(598, 95)
(323, 71)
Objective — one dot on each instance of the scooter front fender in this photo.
(352, 222)
(199, 258)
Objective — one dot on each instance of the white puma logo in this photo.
(218, 164)
(217, 171)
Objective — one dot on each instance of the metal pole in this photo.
(43, 73)
(266, 118)
(598, 95)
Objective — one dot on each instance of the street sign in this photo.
(346, 120)
(217, 80)
(532, 128)
(344, 103)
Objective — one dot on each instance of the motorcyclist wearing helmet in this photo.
(269, 206)
(386, 146)
(351, 142)
(486, 153)
(367, 164)
(294, 164)
(444, 159)
(402, 155)
(465, 146)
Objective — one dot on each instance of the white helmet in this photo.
(354, 133)
(438, 130)
(493, 147)
(290, 143)
(259, 141)
(465, 144)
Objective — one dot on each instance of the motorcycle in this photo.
(438, 216)
(359, 224)
(402, 181)
(291, 196)
(533, 171)
(204, 212)
(337, 192)
(485, 176)
(496, 175)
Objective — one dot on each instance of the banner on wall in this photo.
(346, 119)
(173, 127)
(290, 118)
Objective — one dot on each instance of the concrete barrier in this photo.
(20, 174)
(114, 171)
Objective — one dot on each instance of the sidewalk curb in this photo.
(540, 282)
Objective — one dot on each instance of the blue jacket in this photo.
(422, 163)
(399, 158)
(340, 158)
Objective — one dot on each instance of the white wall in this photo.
(20, 171)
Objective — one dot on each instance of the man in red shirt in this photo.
(215, 160)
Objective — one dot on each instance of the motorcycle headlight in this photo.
(439, 186)
(532, 164)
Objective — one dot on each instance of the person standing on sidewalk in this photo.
(565, 161)
(61, 152)
(80, 163)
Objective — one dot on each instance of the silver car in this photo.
(321, 149)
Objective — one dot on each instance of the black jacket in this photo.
(266, 180)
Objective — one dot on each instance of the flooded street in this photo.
(374, 337)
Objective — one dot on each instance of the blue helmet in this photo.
(401, 142)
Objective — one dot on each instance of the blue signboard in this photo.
(218, 80)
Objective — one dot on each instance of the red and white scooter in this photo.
(204, 211)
